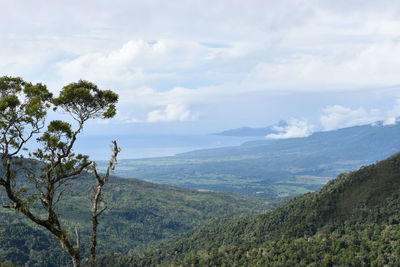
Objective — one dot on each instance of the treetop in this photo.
(84, 100)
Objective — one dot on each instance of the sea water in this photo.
(147, 146)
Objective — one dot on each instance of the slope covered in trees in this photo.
(352, 221)
(139, 214)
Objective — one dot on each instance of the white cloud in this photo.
(393, 114)
(260, 45)
(172, 112)
(145, 103)
(390, 121)
(337, 116)
(136, 62)
(171, 62)
(295, 128)
(349, 67)
(164, 56)
(140, 62)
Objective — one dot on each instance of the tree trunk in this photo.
(97, 194)
(76, 261)
(94, 225)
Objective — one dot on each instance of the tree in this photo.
(49, 169)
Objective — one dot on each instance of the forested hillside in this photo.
(352, 221)
(139, 214)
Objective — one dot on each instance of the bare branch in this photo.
(60, 195)
(78, 239)
(100, 212)
(113, 159)
(95, 200)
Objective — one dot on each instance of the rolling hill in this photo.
(351, 221)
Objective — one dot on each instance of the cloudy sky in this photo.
(201, 66)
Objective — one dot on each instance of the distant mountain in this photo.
(248, 131)
(139, 214)
(351, 221)
(274, 168)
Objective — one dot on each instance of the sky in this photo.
(202, 66)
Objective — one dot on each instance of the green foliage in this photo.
(23, 107)
(83, 100)
(23, 244)
(8, 264)
(139, 215)
(352, 221)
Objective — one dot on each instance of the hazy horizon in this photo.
(198, 67)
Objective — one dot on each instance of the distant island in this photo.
(249, 131)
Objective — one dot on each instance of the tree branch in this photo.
(95, 200)
(78, 239)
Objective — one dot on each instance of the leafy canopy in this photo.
(83, 100)
(23, 108)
